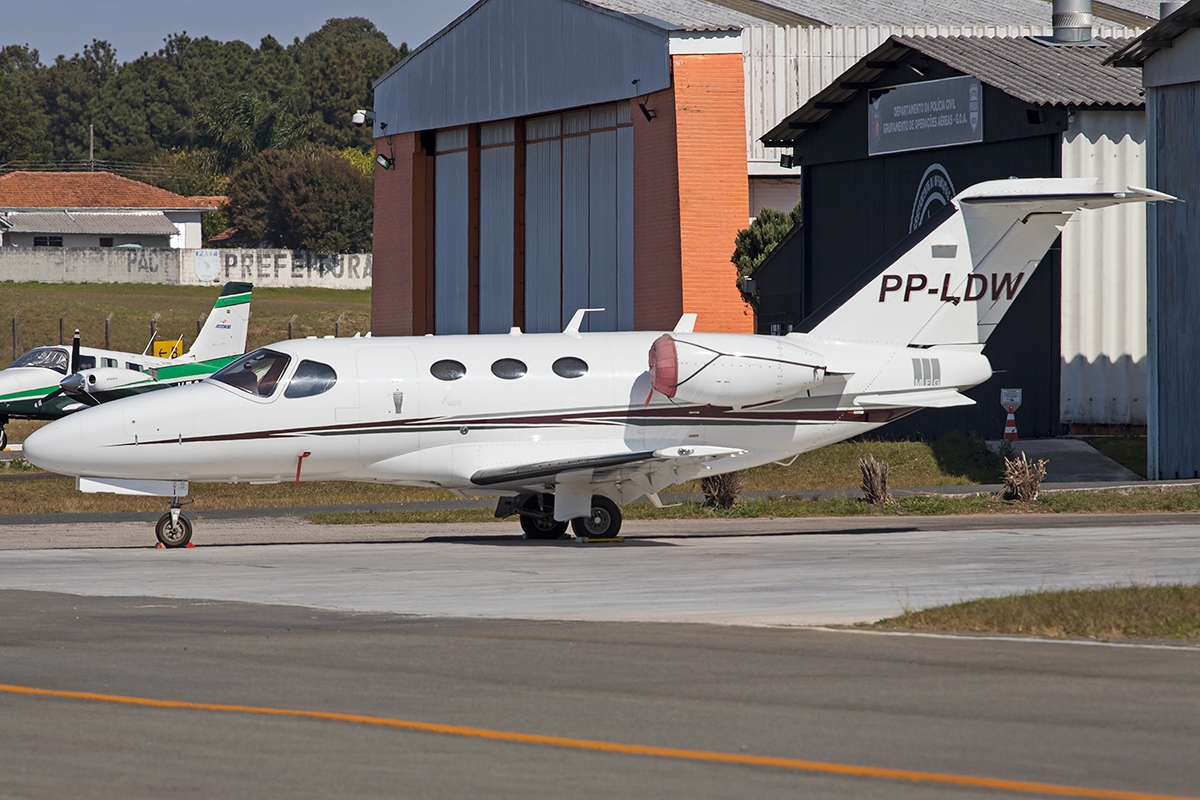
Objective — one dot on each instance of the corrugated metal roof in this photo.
(692, 15)
(1161, 35)
(1026, 69)
(64, 222)
(1135, 13)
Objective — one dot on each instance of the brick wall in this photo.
(392, 286)
(657, 286)
(714, 201)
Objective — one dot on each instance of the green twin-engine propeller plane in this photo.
(51, 382)
(564, 428)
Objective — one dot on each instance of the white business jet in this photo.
(51, 382)
(567, 427)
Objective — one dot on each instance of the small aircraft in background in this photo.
(566, 427)
(51, 382)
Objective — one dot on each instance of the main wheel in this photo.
(173, 534)
(603, 523)
(541, 524)
(3, 439)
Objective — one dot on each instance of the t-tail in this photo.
(952, 280)
(224, 332)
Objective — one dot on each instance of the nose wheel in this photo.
(173, 529)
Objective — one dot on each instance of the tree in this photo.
(242, 123)
(21, 134)
(339, 64)
(68, 92)
(326, 205)
(253, 197)
(755, 243)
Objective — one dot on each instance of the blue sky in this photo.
(135, 26)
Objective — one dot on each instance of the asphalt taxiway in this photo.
(463, 661)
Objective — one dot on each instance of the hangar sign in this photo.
(917, 116)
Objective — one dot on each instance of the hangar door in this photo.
(579, 218)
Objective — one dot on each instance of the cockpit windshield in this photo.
(46, 358)
(257, 373)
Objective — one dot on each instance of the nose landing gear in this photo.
(173, 528)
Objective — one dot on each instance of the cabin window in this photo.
(509, 369)
(46, 358)
(86, 362)
(257, 373)
(570, 367)
(133, 366)
(311, 378)
(448, 370)
(109, 362)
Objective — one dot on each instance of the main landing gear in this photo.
(537, 517)
(173, 528)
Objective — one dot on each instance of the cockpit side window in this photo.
(46, 358)
(311, 378)
(257, 373)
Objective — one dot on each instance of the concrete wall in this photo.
(264, 268)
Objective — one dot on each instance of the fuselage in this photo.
(433, 411)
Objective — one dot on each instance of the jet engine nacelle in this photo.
(732, 370)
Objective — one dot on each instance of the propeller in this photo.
(73, 385)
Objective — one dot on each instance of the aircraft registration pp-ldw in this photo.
(566, 427)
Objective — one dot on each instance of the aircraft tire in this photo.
(539, 526)
(603, 523)
(3, 439)
(173, 535)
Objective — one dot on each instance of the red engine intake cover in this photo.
(664, 366)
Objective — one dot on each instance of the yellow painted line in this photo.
(828, 768)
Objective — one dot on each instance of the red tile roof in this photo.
(89, 190)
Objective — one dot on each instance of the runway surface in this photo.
(392, 644)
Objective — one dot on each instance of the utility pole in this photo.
(91, 148)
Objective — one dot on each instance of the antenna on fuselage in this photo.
(577, 320)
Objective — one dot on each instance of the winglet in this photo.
(577, 320)
(686, 324)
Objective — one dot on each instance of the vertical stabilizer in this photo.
(224, 332)
(953, 281)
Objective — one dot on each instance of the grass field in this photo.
(132, 305)
(1167, 611)
(1128, 451)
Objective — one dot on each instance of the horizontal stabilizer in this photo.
(944, 399)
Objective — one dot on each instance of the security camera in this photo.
(361, 116)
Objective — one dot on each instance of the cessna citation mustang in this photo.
(566, 427)
(51, 382)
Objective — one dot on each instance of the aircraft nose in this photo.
(57, 447)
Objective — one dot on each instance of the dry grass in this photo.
(1167, 611)
(58, 495)
(132, 306)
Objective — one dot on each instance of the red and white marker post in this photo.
(1010, 399)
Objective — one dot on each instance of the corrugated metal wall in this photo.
(786, 66)
(1104, 276)
(1174, 429)
(496, 227)
(543, 224)
(452, 211)
(579, 219)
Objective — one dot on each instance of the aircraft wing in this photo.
(647, 471)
